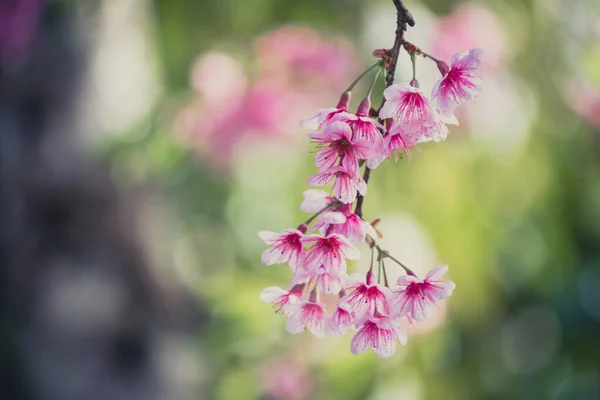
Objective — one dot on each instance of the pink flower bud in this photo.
(364, 106)
(443, 67)
(381, 53)
(303, 228)
(344, 101)
(414, 83)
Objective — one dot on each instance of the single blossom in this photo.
(315, 200)
(322, 118)
(309, 315)
(281, 298)
(347, 181)
(346, 223)
(407, 105)
(366, 128)
(398, 140)
(381, 333)
(327, 280)
(339, 144)
(329, 251)
(458, 85)
(339, 323)
(286, 247)
(353, 227)
(416, 297)
(367, 298)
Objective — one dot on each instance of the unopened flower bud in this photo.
(303, 228)
(381, 53)
(364, 106)
(414, 83)
(344, 101)
(443, 67)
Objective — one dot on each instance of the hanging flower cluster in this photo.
(317, 250)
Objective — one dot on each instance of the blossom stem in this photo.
(378, 63)
(403, 18)
(385, 279)
(380, 263)
(422, 53)
(386, 254)
(374, 81)
(322, 210)
(413, 61)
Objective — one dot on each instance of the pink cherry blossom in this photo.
(339, 142)
(367, 298)
(408, 106)
(315, 200)
(366, 128)
(339, 323)
(381, 333)
(286, 247)
(327, 280)
(322, 118)
(398, 140)
(346, 223)
(416, 297)
(281, 298)
(308, 315)
(353, 227)
(347, 181)
(330, 251)
(458, 85)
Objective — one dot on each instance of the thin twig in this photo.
(315, 215)
(403, 18)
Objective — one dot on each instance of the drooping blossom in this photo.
(416, 297)
(380, 333)
(346, 223)
(366, 128)
(281, 298)
(286, 247)
(346, 181)
(327, 280)
(309, 315)
(458, 85)
(315, 200)
(329, 251)
(398, 140)
(338, 143)
(366, 298)
(407, 105)
(322, 118)
(339, 322)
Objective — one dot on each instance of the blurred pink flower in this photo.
(286, 380)
(300, 56)
(456, 32)
(18, 24)
(297, 68)
(584, 99)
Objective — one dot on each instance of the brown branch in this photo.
(403, 19)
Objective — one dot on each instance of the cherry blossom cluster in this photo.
(317, 250)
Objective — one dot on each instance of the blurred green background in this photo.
(201, 100)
